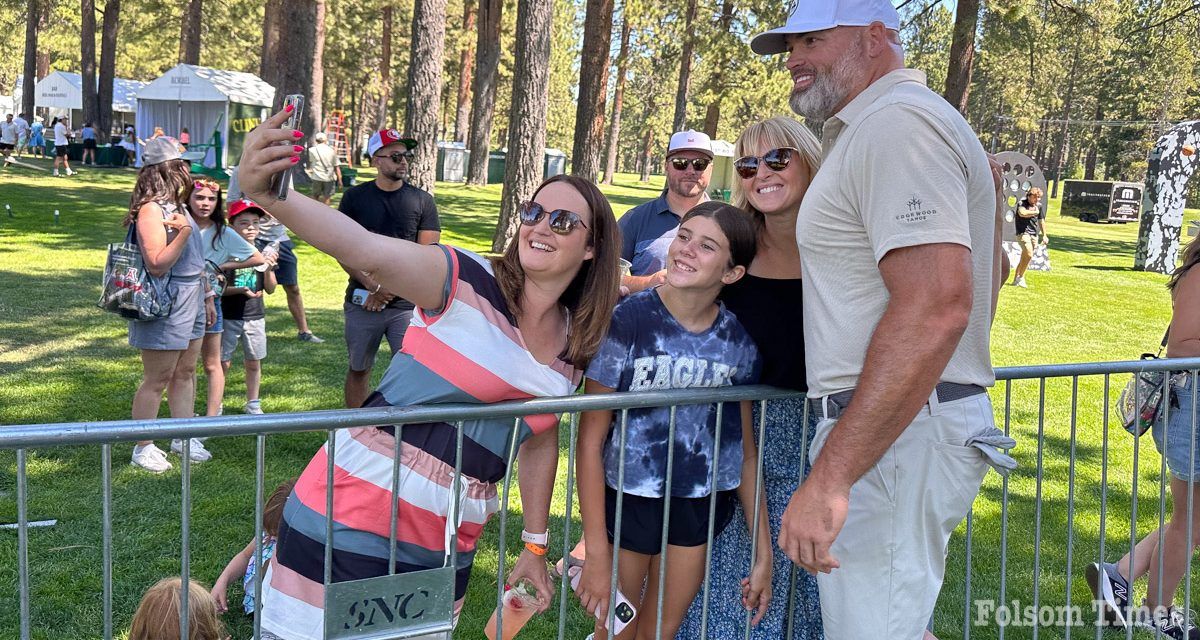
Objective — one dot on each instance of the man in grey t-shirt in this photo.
(897, 245)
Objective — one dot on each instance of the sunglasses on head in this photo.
(396, 157)
(681, 164)
(562, 221)
(206, 184)
(775, 159)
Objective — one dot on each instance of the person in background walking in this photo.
(1031, 231)
(1177, 441)
(323, 169)
(61, 140)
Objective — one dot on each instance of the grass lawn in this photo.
(61, 359)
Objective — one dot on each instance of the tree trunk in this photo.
(1064, 137)
(593, 88)
(189, 32)
(712, 116)
(87, 64)
(962, 54)
(527, 118)
(647, 141)
(614, 125)
(462, 115)
(385, 75)
(679, 122)
(483, 89)
(425, 88)
(302, 28)
(268, 63)
(32, 17)
(108, 64)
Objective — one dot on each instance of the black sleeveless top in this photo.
(771, 311)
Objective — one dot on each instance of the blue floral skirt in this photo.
(785, 450)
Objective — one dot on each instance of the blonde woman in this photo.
(776, 160)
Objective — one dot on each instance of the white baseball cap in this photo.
(818, 15)
(690, 141)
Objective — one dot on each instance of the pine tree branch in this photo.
(1195, 6)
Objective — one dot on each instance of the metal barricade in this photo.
(983, 602)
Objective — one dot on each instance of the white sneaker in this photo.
(150, 458)
(1019, 282)
(56, 173)
(197, 452)
(253, 407)
(71, 173)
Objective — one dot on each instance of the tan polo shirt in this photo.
(902, 168)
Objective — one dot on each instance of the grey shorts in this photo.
(366, 329)
(892, 548)
(322, 189)
(176, 331)
(252, 334)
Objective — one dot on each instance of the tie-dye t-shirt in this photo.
(647, 349)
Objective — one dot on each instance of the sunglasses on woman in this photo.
(775, 159)
(562, 221)
(681, 164)
(206, 184)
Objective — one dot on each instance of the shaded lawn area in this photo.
(61, 359)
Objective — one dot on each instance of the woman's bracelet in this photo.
(378, 286)
(535, 549)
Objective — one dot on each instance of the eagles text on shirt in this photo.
(665, 372)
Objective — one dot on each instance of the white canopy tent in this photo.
(206, 101)
(61, 92)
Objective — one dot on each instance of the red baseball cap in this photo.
(384, 137)
(244, 205)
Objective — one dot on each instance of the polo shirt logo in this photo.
(915, 213)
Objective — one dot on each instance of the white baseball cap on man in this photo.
(690, 141)
(819, 15)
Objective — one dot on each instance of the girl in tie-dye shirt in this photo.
(675, 336)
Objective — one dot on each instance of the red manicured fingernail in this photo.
(295, 159)
(297, 134)
(297, 148)
(290, 108)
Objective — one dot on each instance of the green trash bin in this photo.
(495, 171)
(349, 176)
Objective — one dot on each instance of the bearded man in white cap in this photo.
(897, 236)
(648, 229)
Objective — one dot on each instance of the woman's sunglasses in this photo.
(562, 221)
(681, 164)
(206, 184)
(775, 159)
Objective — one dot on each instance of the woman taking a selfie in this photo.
(485, 330)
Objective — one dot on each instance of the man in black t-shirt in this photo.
(389, 206)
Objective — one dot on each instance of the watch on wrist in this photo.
(541, 539)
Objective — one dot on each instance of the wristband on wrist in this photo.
(540, 539)
(378, 286)
(537, 550)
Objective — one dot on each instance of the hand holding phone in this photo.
(283, 180)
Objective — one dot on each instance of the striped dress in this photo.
(471, 352)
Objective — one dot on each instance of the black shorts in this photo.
(642, 520)
(286, 273)
(60, 151)
(89, 144)
(4, 146)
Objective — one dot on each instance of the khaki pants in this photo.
(892, 549)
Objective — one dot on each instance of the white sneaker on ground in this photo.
(197, 452)
(1019, 282)
(253, 407)
(71, 173)
(150, 458)
(56, 173)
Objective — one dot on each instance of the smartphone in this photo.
(283, 180)
(359, 296)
